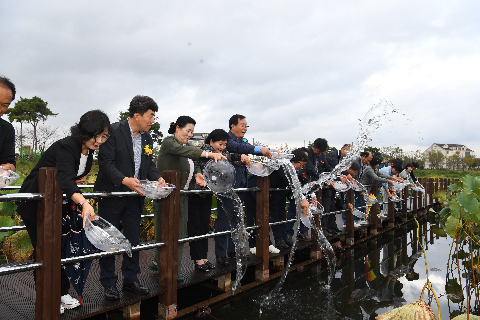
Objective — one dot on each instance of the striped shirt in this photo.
(137, 150)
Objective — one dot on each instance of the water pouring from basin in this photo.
(220, 178)
(372, 120)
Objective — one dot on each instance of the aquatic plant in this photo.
(460, 219)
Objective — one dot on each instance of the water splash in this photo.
(239, 233)
(295, 185)
(372, 120)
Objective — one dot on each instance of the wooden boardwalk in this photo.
(19, 300)
(17, 291)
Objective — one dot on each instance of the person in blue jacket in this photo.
(236, 144)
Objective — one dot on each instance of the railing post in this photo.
(316, 251)
(350, 285)
(430, 191)
(49, 246)
(414, 243)
(350, 235)
(437, 182)
(168, 264)
(374, 263)
(391, 213)
(262, 272)
(404, 204)
(404, 248)
(415, 202)
(424, 198)
(374, 210)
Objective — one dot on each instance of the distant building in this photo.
(197, 139)
(448, 150)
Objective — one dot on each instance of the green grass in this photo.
(24, 168)
(448, 174)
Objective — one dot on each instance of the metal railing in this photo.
(49, 235)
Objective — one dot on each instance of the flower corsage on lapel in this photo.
(147, 150)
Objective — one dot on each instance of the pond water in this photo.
(380, 275)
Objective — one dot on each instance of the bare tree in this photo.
(44, 137)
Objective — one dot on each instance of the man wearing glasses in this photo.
(125, 159)
(7, 133)
(236, 144)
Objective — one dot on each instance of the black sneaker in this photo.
(289, 241)
(281, 245)
(202, 267)
(223, 260)
(111, 293)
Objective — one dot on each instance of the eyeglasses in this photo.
(102, 137)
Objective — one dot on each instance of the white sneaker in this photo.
(68, 302)
(62, 310)
(253, 251)
(272, 249)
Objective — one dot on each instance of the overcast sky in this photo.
(298, 70)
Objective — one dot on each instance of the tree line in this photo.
(35, 111)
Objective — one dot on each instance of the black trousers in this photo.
(129, 215)
(32, 232)
(225, 243)
(277, 214)
(251, 214)
(328, 221)
(199, 209)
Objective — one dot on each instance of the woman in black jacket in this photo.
(199, 205)
(72, 157)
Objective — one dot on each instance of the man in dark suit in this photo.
(124, 160)
(236, 144)
(277, 202)
(7, 133)
(333, 158)
(316, 164)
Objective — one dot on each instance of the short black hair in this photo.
(181, 122)
(6, 83)
(376, 160)
(321, 144)
(91, 124)
(397, 167)
(234, 120)
(298, 156)
(217, 135)
(393, 161)
(346, 145)
(355, 166)
(399, 161)
(415, 164)
(409, 165)
(365, 154)
(141, 104)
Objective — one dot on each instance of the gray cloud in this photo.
(296, 70)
